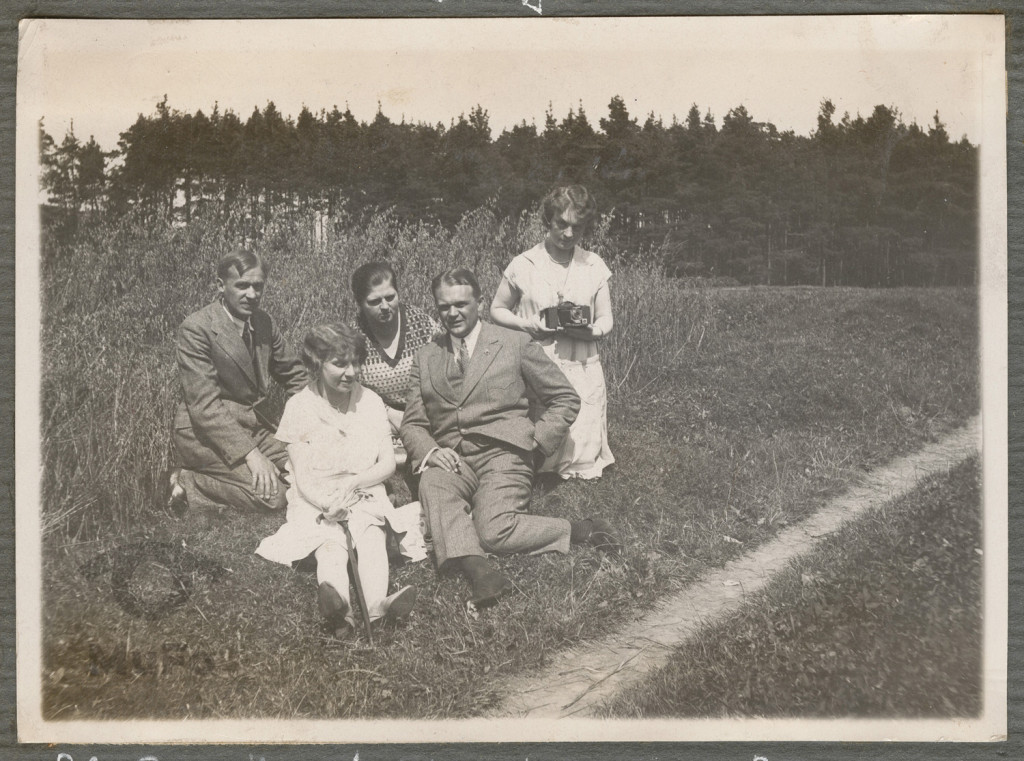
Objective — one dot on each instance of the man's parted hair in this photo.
(456, 276)
(240, 260)
(330, 341)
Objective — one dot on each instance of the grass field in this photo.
(732, 413)
(883, 620)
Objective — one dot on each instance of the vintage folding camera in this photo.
(566, 315)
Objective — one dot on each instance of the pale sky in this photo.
(102, 74)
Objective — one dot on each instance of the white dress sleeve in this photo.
(296, 421)
(601, 271)
(513, 274)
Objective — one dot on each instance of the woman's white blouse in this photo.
(339, 442)
(540, 283)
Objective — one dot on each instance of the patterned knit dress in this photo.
(389, 376)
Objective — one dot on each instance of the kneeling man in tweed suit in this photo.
(467, 428)
(229, 354)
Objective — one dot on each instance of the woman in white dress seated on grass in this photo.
(339, 455)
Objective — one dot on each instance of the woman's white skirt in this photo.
(584, 453)
(303, 533)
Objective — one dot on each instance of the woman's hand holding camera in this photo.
(580, 332)
(537, 329)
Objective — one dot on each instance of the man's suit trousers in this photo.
(482, 508)
(209, 478)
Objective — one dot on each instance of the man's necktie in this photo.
(250, 345)
(463, 359)
(247, 339)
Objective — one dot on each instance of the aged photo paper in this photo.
(96, 77)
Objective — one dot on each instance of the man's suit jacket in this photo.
(493, 400)
(222, 395)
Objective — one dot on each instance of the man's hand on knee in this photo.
(446, 459)
(264, 475)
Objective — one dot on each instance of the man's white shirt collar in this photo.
(470, 340)
(240, 324)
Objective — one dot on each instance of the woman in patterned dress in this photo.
(554, 271)
(394, 332)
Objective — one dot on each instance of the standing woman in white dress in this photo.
(339, 454)
(555, 271)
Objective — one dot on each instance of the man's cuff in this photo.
(423, 462)
(237, 456)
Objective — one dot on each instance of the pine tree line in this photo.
(860, 201)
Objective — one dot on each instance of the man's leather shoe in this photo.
(177, 502)
(488, 588)
(488, 584)
(603, 537)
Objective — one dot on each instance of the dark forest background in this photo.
(867, 201)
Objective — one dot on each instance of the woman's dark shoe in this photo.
(399, 605)
(333, 609)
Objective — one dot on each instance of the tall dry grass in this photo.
(113, 299)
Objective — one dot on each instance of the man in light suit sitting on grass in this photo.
(467, 428)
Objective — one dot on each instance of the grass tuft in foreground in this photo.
(883, 620)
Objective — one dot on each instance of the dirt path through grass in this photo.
(577, 681)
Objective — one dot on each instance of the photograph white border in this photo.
(986, 33)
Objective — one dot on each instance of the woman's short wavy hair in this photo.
(565, 197)
(329, 341)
